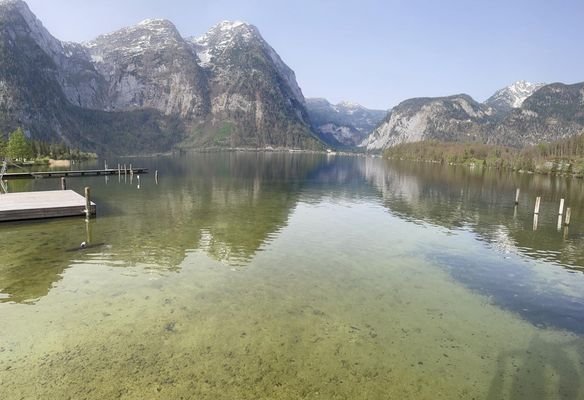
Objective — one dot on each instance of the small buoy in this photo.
(83, 245)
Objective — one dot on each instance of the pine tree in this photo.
(18, 146)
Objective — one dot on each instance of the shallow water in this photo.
(293, 276)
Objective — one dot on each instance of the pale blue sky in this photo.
(373, 52)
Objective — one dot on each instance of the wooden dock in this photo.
(59, 174)
(39, 205)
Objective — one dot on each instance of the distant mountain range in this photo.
(145, 89)
(342, 125)
(518, 115)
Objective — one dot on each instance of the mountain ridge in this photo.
(518, 115)
(148, 78)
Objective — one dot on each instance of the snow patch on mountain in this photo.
(513, 95)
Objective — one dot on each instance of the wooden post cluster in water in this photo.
(568, 211)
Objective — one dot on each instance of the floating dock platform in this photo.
(88, 172)
(40, 205)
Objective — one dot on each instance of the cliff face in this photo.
(145, 88)
(451, 118)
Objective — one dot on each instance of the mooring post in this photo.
(105, 165)
(131, 170)
(537, 203)
(535, 220)
(88, 235)
(568, 214)
(156, 176)
(87, 202)
(517, 196)
(561, 211)
(63, 183)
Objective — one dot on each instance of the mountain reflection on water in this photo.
(233, 205)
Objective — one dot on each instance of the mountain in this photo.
(513, 96)
(453, 118)
(553, 112)
(345, 124)
(147, 89)
(522, 114)
(253, 94)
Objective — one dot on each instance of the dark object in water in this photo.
(85, 246)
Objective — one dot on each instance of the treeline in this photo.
(17, 147)
(562, 156)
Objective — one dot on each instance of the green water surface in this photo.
(297, 276)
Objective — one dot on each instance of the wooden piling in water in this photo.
(87, 202)
(63, 183)
(535, 221)
(568, 215)
(156, 176)
(537, 204)
(517, 196)
(561, 211)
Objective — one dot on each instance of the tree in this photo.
(3, 146)
(18, 146)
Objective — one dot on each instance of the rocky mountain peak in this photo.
(150, 34)
(512, 96)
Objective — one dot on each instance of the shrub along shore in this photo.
(563, 157)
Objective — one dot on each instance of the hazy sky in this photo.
(373, 52)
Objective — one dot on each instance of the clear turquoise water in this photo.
(297, 276)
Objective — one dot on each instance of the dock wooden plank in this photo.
(37, 205)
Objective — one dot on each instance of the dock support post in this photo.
(517, 196)
(561, 211)
(63, 183)
(87, 202)
(537, 203)
(568, 215)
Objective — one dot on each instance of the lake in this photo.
(297, 276)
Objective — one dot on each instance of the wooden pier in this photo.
(40, 205)
(59, 174)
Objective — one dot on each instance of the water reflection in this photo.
(231, 206)
(483, 200)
